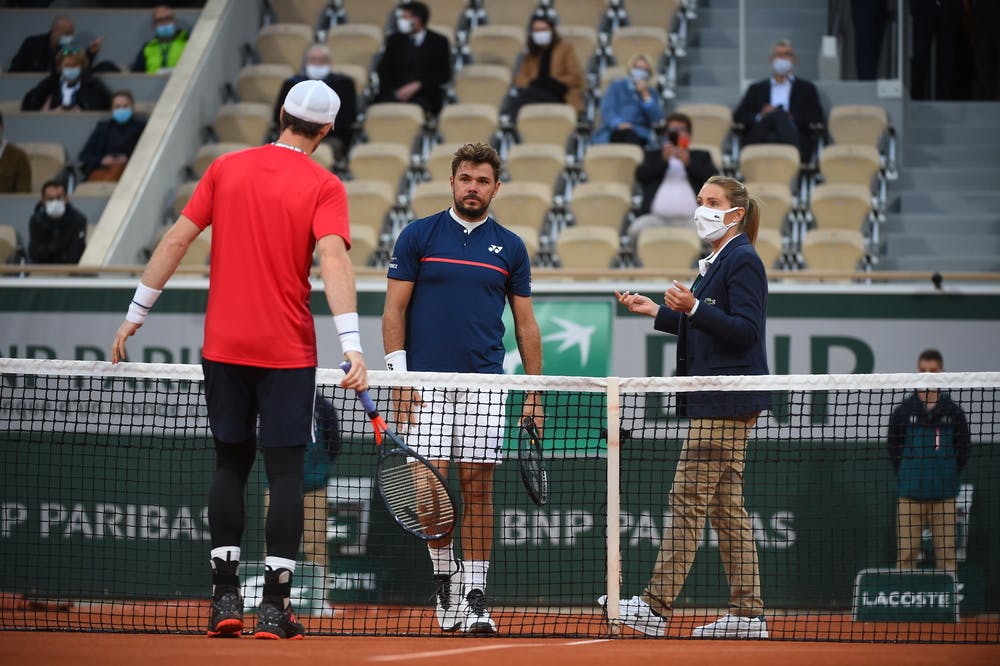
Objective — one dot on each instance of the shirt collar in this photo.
(468, 226)
(704, 264)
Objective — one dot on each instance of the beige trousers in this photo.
(709, 481)
(912, 516)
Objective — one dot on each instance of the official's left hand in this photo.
(679, 298)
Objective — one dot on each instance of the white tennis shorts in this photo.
(459, 424)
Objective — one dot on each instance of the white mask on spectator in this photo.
(55, 207)
(639, 74)
(709, 224)
(404, 25)
(542, 37)
(317, 72)
(781, 66)
(65, 40)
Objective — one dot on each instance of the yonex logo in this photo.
(495, 249)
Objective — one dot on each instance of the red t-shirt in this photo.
(267, 207)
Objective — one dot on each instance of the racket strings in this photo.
(416, 496)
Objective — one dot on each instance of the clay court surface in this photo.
(36, 648)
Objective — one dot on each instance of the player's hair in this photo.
(931, 355)
(477, 153)
(737, 194)
(299, 126)
(418, 9)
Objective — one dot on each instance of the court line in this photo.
(480, 648)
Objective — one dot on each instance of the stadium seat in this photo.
(776, 204)
(438, 162)
(323, 156)
(364, 242)
(587, 247)
(770, 246)
(710, 123)
(243, 122)
(300, 11)
(371, 202)
(833, 250)
(97, 188)
(601, 205)
(284, 43)
(354, 43)
(583, 39)
(468, 122)
(849, 163)
(668, 248)
(582, 12)
(862, 124)
(8, 242)
(510, 12)
(528, 234)
(431, 197)
(47, 160)
(841, 206)
(497, 44)
(357, 73)
(712, 150)
(262, 83)
(524, 203)
(658, 13)
(639, 38)
(209, 151)
(546, 124)
(182, 195)
(612, 162)
(539, 163)
(387, 162)
(482, 84)
(770, 163)
(394, 122)
(373, 12)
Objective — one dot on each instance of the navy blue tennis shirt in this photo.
(461, 284)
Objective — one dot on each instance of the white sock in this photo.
(226, 553)
(443, 559)
(475, 574)
(275, 563)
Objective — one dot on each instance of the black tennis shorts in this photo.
(283, 399)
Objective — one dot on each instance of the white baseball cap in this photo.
(313, 101)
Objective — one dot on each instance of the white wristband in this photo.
(349, 330)
(142, 302)
(396, 361)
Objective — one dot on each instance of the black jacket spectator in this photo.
(110, 138)
(649, 174)
(57, 240)
(404, 62)
(343, 127)
(35, 55)
(92, 95)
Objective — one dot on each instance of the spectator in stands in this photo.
(15, 169)
(416, 62)
(868, 18)
(38, 52)
(160, 54)
(57, 231)
(110, 145)
(316, 65)
(720, 327)
(669, 177)
(631, 107)
(928, 446)
(986, 22)
(783, 108)
(549, 71)
(72, 87)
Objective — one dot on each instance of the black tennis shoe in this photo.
(226, 618)
(277, 623)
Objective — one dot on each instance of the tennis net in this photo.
(103, 516)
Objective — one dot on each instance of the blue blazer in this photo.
(726, 335)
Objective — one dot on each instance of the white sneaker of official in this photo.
(733, 626)
(636, 614)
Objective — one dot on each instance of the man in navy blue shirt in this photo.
(450, 276)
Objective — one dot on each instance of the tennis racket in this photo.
(411, 487)
(531, 464)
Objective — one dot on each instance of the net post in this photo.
(614, 508)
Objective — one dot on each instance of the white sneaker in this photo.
(733, 626)
(636, 614)
(450, 604)
(477, 615)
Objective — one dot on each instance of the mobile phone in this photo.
(673, 136)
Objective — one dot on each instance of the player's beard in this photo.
(476, 213)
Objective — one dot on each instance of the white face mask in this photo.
(317, 72)
(708, 222)
(55, 207)
(781, 66)
(542, 37)
(404, 25)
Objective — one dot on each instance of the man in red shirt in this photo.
(269, 208)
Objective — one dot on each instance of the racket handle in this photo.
(363, 397)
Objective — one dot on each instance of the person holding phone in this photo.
(669, 176)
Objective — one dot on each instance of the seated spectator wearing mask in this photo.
(631, 107)
(316, 66)
(15, 169)
(57, 232)
(416, 62)
(549, 71)
(70, 88)
(669, 177)
(111, 143)
(38, 52)
(160, 54)
(781, 109)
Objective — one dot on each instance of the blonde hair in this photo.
(736, 193)
(641, 56)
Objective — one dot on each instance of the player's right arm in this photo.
(397, 300)
(167, 256)
(341, 295)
